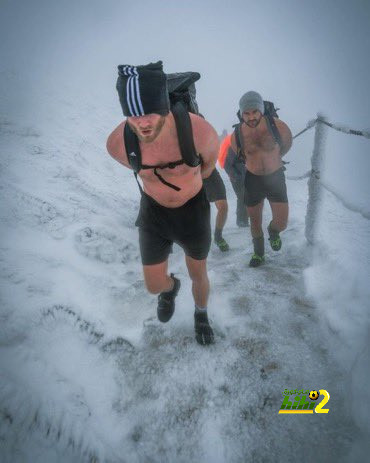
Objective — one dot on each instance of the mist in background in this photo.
(305, 56)
(68, 209)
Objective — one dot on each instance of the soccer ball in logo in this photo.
(313, 395)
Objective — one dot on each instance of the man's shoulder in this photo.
(201, 127)
(115, 144)
(279, 123)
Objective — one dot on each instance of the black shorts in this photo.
(215, 187)
(259, 187)
(159, 227)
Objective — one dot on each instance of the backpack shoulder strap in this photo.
(185, 134)
(132, 148)
(239, 141)
(271, 124)
(133, 151)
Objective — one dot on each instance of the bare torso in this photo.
(261, 151)
(164, 149)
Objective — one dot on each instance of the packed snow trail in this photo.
(89, 374)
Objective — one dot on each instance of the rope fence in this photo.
(339, 128)
(315, 185)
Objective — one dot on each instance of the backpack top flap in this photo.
(270, 109)
(181, 87)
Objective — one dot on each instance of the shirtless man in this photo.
(265, 173)
(167, 215)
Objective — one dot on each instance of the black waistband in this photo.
(195, 198)
(280, 169)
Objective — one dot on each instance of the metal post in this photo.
(314, 187)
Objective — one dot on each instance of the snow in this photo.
(89, 374)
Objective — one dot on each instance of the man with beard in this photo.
(173, 206)
(265, 172)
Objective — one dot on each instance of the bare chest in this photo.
(162, 153)
(256, 141)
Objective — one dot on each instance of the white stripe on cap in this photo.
(138, 92)
(128, 95)
(133, 91)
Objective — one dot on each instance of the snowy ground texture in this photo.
(89, 374)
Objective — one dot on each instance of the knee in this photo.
(222, 206)
(154, 287)
(199, 278)
(280, 225)
(255, 221)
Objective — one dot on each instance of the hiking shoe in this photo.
(275, 240)
(203, 331)
(256, 260)
(222, 245)
(166, 302)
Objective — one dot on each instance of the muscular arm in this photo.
(206, 143)
(115, 145)
(286, 136)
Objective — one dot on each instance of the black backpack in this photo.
(269, 114)
(182, 96)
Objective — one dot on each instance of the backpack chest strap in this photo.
(169, 165)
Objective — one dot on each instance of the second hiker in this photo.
(263, 140)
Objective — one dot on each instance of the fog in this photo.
(55, 58)
(305, 56)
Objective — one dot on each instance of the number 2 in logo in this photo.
(325, 400)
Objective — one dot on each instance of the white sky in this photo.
(307, 56)
(303, 55)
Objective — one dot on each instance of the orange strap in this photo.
(225, 145)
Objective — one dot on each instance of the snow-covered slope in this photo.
(87, 372)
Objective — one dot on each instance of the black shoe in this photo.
(166, 302)
(203, 331)
(256, 260)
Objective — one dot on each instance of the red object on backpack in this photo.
(225, 145)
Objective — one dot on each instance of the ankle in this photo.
(171, 284)
(200, 309)
(259, 246)
(218, 234)
(272, 229)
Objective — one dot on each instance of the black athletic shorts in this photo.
(259, 187)
(159, 227)
(215, 187)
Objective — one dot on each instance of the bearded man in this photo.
(254, 140)
(173, 206)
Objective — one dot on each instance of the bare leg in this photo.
(220, 222)
(278, 223)
(255, 217)
(156, 278)
(221, 217)
(280, 212)
(198, 273)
